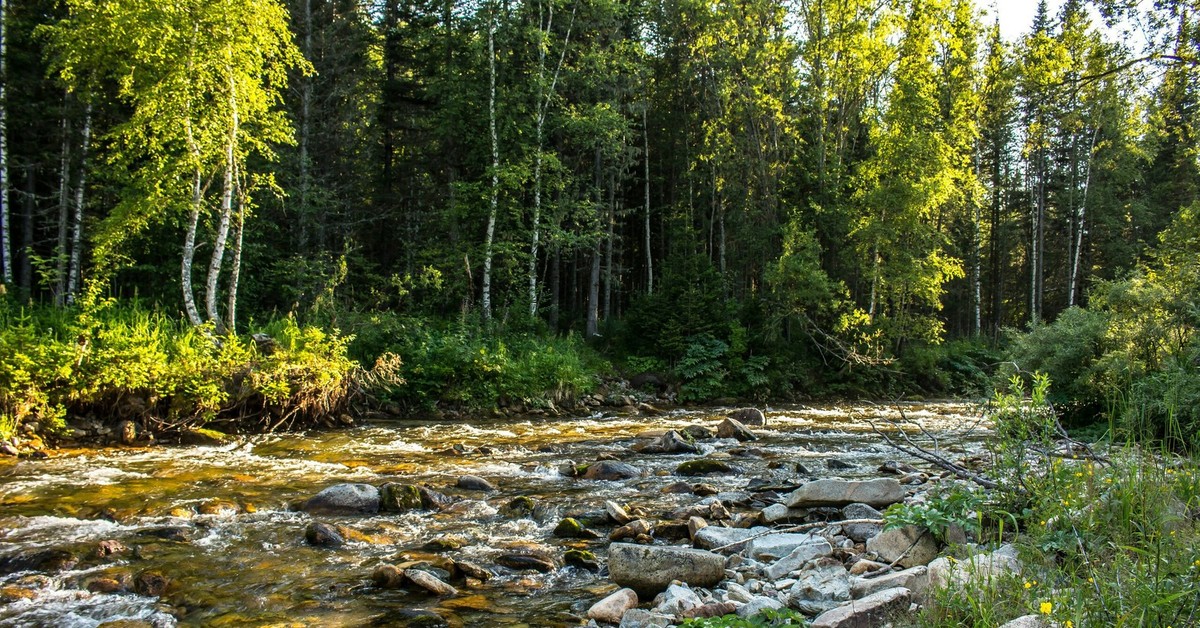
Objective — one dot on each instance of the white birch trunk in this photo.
(486, 299)
(218, 255)
(5, 238)
(593, 306)
(646, 157)
(1073, 283)
(189, 252)
(235, 271)
(64, 215)
(74, 271)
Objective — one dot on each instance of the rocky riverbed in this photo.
(625, 519)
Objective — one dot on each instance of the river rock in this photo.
(873, 610)
(612, 608)
(822, 584)
(475, 483)
(617, 513)
(670, 443)
(833, 464)
(387, 577)
(731, 539)
(108, 548)
(860, 532)
(151, 583)
(697, 432)
(780, 513)
(915, 579)
(200, 437)
(611, 470)
(127, 432)
(581, 559)
(832, 492)
(795, 560)
(757, 605)
(649, 569)
(570, 528)
(677, 600)
(1026, 621)
(893, 467)
(907, 546)
(636, 529)
(471, 570)
(981, 567)
(39, 560)
(712, 609)
(703, 466)
(433, 500)
(394, 497)
(323, 535)
(749, 416)
(641, 618)
(775, 546)
(521, 562)
(730, 428)
(429, 582)
(344, 499)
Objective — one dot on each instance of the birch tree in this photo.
(5, 237)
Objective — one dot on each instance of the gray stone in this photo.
(677, 600)
(1026, 621)
(323, 535)
(907, 546)
(822, 584)
(832, 492)
(732, 539)
(869, 612)
(915, 579)
(344, 499)
(429, 582)
(617, 513)
(796, 559)
(670, 443)
(611, 470)
(612, 608)
(730, 428)
(475, 483)
(758, 605)
(641, 618)
(979, 568)
(860, 532)
(649, 569)
(772, 547)
(749, 416)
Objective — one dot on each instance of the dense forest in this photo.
(751, 198)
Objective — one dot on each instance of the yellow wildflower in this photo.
(1046, 607)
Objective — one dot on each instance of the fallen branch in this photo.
(800, 528)
(917, 451)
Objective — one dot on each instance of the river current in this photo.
(219, 522)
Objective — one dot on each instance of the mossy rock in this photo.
(445, 543)
(202, 437)
(522, 506)
(703, 466)
(570, 528)
(582, 559)
(399, 497)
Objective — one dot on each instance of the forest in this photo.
(520, 200)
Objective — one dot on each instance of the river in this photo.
(218, 522)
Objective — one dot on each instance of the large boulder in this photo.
(873, 610)
(344, 499)
(979, 568)
(822, 584)
(670, 443)
(650, 569)
(907, 546)
(749, 416)
(475, 483)
(395, 497)
(730, 428)
(832, 492)
(612, 608)
(915, 579)
(704, 466)
(611, 470)
(677, 600)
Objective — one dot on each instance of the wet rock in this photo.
(39, 560)
(127, 432)
(749, 416)
(907, 546)
(521, 562)
(151, 583)
(795, 560)
(878, 492)
(704, 490)
(321, 534)
(697, 432)
(873, 610)
(670, 443)
(417, 618)
(471, 570)
(387, 577)
(677, 600)
(775, 546)
(730, 428)
(833, 464)
(914, 579)
(433, 500)
(611, 470)
(10, 594)
(104, 585)
(678, 488)
(582, 559)
(219, 508)
(617, 513)
(757, 605)
(649, 569)
(570, 528)
(344, 499)
(695, 525)
(822, 584)
(429, 582)
(200, 437)
(672, 530)
(175, 534)
(860, 532)
(613, 607)
(519, 507)
(633, 530)
(475, 483)
(445, 543)
(127, 623)
(703, 466)
(641, 618)
(109, 548)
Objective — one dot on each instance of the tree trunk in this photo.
(64, 213)
(189, 253)
(646, 176)
(306, 94)
(609, 241)
(486, 299)
(593, 304)
(74, 271)
(1073, 283)
(235, 272)
(218, 254)
(27, 240)
(5, 239)
(555, 288)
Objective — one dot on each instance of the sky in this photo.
(1016, 16)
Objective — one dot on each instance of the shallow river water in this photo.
(237, 555)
